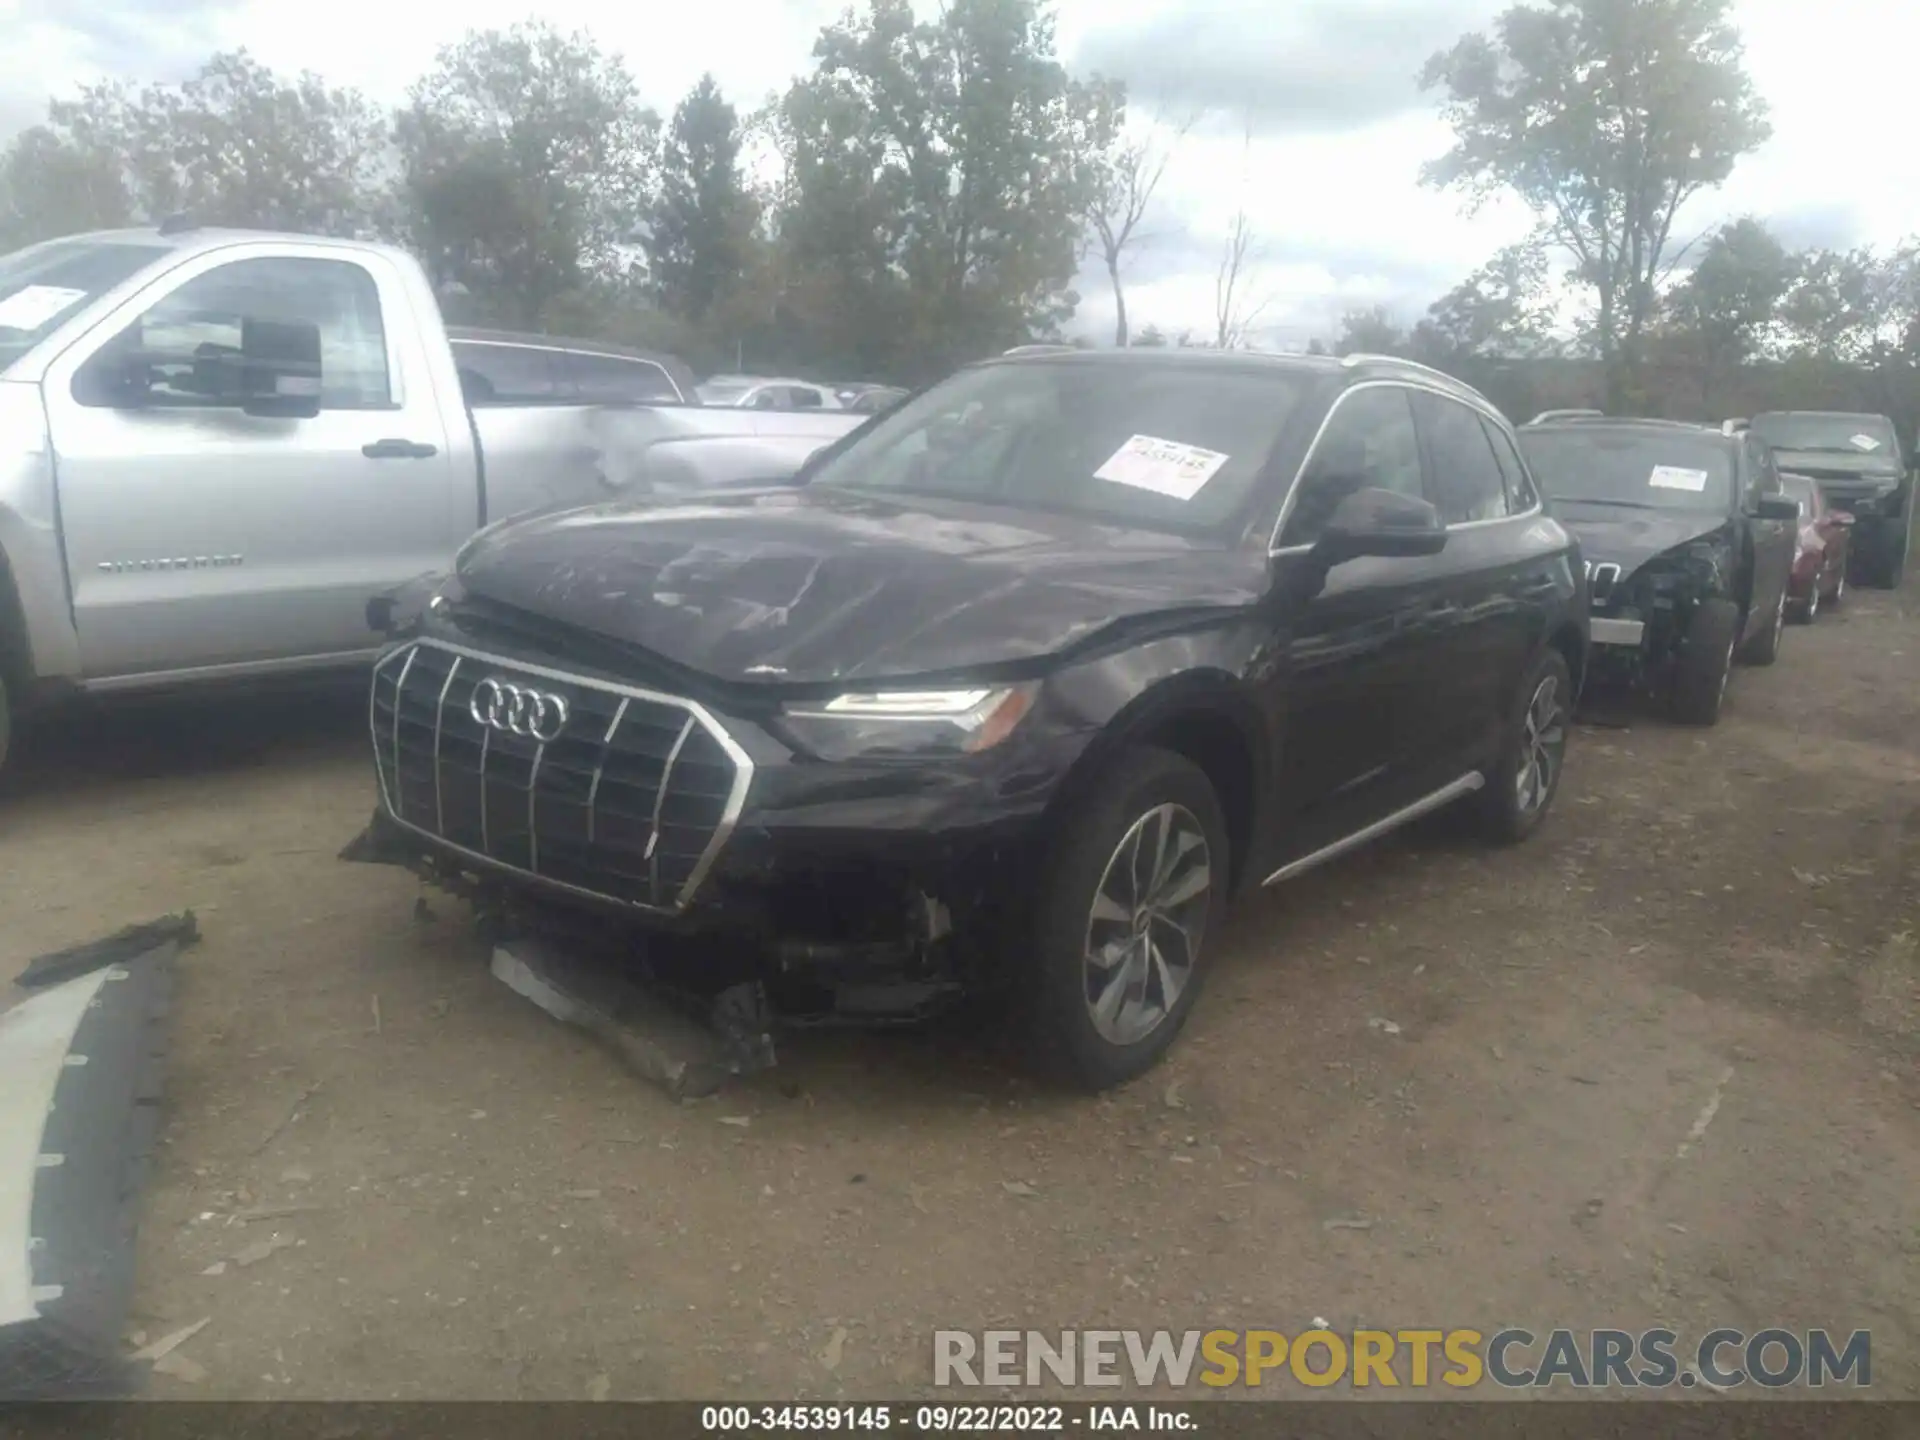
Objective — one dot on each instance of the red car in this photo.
(1820, 567)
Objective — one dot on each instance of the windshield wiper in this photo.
(1618, 504)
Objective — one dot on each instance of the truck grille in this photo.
(618, 793)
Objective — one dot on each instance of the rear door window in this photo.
(509, 374)
(1521, 496)
(617, 380)
(1468, 485)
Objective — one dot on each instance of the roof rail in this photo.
(1548, 415)
(1364, 357)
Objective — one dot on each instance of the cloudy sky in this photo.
(1339, 127)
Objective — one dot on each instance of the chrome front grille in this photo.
(630, 799)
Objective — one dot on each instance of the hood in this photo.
(813, 585)
(1841, 465)
(1631, 537)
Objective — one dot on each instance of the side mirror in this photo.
(1777, 507)
(1380, 522)
(280, 368)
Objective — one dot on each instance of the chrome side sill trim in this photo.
(1445, 795)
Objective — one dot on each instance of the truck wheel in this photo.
(1522, 784)
(1890, 563)
(1764, 648)
(1705, 661)
(1132, 892)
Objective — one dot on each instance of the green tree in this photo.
(1839, 305)
(526, 157)
(703, 221)
(1721, 312)
(1604, 117)
(236, 145)
(1501, 310)
(50, 185)
(939, 175)
(1369, 331)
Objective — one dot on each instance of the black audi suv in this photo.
(1008, 693)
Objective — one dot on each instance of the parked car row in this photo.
(1700, 543)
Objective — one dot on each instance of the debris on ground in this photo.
(179, 1367)
(1385, 1027)
(1347, 1222)
(253, 1254)
(172, 1341)
(830, 1357)
(133, 942)
(655, 1039)
(1018, 1187)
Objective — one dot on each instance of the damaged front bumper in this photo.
(869, 888)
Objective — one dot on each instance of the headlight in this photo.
(909, 722)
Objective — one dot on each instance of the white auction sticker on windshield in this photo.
(32, 306)
(1864, 442)
(1165, 467)
(1674, 477)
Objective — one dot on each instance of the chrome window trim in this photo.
(743, 768)
(1482, 407)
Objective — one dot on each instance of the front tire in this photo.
(1705, 662)
(1133, 891)
(1522, 784)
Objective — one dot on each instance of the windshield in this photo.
(1658, 472)
(1157, 446)
(1834, 434)
(43, 284)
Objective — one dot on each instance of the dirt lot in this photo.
(477, 1203)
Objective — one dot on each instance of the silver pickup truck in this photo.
(217, 446)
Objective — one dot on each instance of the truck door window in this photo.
(508, 374)
(1369, 443)
(1467, 483)
(614, 380)
(197, 327)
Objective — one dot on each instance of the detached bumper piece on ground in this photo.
(79, 1109)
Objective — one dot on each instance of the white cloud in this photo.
(1341, 215)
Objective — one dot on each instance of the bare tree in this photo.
(1125, 182)
(1232, 316)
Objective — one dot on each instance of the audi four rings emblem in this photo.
(518, 710)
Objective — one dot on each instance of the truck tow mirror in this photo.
(280, 362)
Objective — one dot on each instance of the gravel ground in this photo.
(384, 1175)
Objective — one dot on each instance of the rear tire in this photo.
(1805, 612)
(1764, 648)
(1523, 782)
(1705, 662)
(1136, 881)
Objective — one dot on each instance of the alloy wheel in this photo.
(1543, 741)
(1146, 924)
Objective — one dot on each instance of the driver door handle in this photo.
(398, 450)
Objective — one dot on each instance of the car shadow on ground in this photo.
(98, 744)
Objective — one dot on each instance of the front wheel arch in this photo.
(1203, 717)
